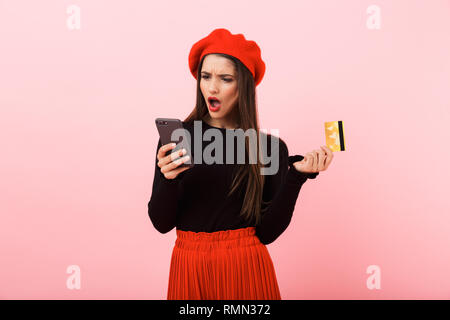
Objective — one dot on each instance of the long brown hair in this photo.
(247, 118)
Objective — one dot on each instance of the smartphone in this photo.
(165, 128)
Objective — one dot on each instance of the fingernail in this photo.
(174, 144)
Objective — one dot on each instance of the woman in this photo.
(226, 214)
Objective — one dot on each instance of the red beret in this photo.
(222, 41)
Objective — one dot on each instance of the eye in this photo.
(204, 76)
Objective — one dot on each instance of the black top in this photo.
(196, 200)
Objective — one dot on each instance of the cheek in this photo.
(231, 94)
(203, 90)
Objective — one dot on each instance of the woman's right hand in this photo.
(169, 164)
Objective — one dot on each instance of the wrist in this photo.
(295, 158)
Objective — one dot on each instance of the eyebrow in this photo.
(223, 74)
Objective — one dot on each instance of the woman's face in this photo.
(219, 80)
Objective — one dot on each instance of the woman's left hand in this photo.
(315, 161)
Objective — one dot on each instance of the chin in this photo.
(215, 115)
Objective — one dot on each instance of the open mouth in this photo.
(214, 103)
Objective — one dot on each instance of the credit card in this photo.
(334, 135)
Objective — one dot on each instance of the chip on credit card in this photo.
(334, 135)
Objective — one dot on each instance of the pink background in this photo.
(78, 141)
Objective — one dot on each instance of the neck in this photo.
(221, 123)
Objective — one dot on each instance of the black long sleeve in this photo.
(282, 189)
(163, 204)
(196, 200)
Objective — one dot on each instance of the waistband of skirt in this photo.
(223, 238)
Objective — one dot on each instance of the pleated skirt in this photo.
(222, 265)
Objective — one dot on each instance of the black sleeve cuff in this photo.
(296, 158)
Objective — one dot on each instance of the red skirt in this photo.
(222, 265)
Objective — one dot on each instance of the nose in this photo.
(213, 85)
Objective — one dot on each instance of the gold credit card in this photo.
(334, 135)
